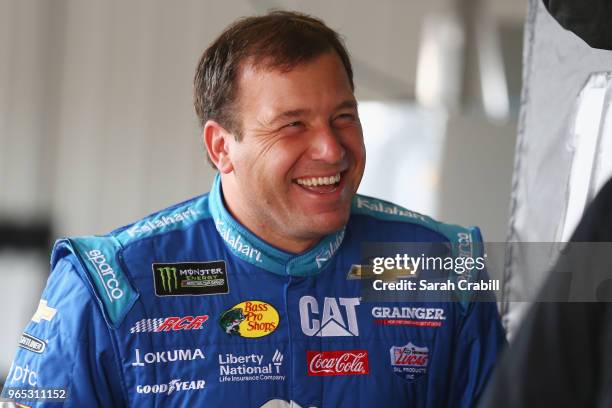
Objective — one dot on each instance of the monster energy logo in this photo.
(168, 276)
(190, 278)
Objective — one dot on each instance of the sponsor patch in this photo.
(338, 362)
(410, 361)
(250, 319)
(107, 275)
(176, 385)
(31, 343)
(43, 312)
(359, 271)
(408, 316)
(168, 356)
(356, 272)
(164, 324)
(335, 317)
(237, 243)
(190, 279)
(21, 375)
(279, 403)
(329, 250)
(251, 367)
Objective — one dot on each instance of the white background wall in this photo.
(96, 121)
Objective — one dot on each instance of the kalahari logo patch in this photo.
(250, 319)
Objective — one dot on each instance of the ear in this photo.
(217, 141)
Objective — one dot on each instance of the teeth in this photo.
(319, 181)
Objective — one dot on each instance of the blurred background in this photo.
(97, 127)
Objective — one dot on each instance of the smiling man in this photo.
(248, 295)
(293, 172)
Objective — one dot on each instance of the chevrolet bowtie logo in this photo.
(43, 312)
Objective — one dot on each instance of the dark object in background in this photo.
(590, 20)
(32, 235)
(562, 353)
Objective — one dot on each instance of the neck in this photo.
(242, 214)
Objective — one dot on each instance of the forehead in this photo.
(322, 79)
(279, 65)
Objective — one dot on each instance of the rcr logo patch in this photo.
(337, 318)
(173, 323)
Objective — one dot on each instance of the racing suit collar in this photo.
(252, 249)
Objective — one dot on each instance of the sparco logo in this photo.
(345, 362)
(106, 274)
(338, 317)
(172, 386)
(168, 276)
(168, 356)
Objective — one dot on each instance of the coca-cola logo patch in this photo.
(409, 361)
(338, 362)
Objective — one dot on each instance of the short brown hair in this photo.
(279, 39)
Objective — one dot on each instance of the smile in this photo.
(318, 181)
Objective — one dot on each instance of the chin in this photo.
(329, 223)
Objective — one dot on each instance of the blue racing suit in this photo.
(187, 307)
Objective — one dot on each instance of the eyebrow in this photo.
(295, 113)
(290, 114)
(349, 103)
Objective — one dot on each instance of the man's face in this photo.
(301, 157)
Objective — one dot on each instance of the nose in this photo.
(326, 145)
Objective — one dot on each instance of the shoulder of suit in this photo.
(463, 242)
(100, 256)
(386, 211)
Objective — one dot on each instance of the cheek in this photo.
(353, 141)
(284, 157)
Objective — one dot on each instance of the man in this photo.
(243, 296)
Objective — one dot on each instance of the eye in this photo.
(345, 119)
(293, 125)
